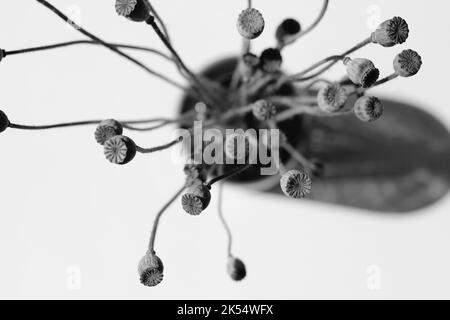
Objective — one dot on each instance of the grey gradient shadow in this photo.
(400, 163)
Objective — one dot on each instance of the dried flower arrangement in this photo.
(256, 94)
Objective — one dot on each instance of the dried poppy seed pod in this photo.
(4, 121)
(150, 270)
(236, 269)
(391, 32)
(250, 23)
(263, 110)
(2, 54)
(196, 199)
(135, 10)
(361, 72)
(407, 63)
(287, 32)
(107, 129)
(119, 150)
(332, 97)
(239, 146)
(296, 184)
(271, 60)
(368, 109)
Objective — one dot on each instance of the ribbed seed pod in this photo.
(236, 269)
(296, 184)
(150, 270)
(263, 110)
(4, 121)
(361, 71)
(391, 32)
(407, 63)
(287, 32)
(196, 199)
(250, 23)
(107, 129)
(368, 109)
(135, 10)
(120, 150)
(332, 97)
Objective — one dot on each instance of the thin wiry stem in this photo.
(151, 245)
(222, 219)
(53, 126)
(107, 45)
(317, 21)
(160, 21)
(229, 174)
(77, 42)
(379, 82)
(159, 148)
(175, 54)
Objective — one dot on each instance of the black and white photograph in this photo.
(230, 153)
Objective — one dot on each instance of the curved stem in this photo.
(317, 21)
(107, 45)
(52, 126)
(160, 21)
(379, 82)
(222, 219)
(159, 148)
(151, 21)
(151, 245)
(76, 42)
(228, 175)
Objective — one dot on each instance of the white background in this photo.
(68, 215)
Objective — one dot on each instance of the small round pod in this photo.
(196, 199)
(119, 150)
(107, 129)
(296, 184)
(263, 110)
(134, 10)
(271, 60)
(407, 63)
(151, 270)
(287, 32)
(250, 23)
(368, 109)
(361, 72)
(332, 97)
(2, 54)
(4, 121)
(391, 32)
(236, 269)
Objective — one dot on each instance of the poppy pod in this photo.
(135, 10)
(271, 60)
(250, 23)
(236, 269)
(120, 150)
(332, 97)
(4, 121)
(407, 63)
(196, 199)
(107, 129)
(368, 109)
(287, 32)
(296, 184)
(391, 32)
(263, 110)
(150, 270)
(361, 72)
